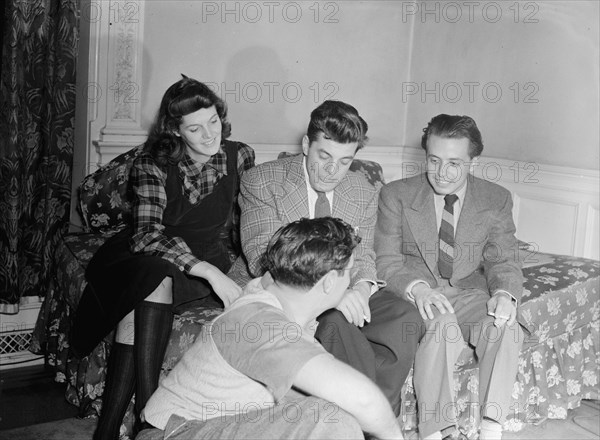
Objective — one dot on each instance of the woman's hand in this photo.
(224, 287)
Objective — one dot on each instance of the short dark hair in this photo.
(455, 127)
(302, 252)
(339, 122)
(182, 98)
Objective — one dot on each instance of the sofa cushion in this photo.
(104, 196)
(559, 294)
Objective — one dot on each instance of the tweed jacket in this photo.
(406, 238)
(274, 194)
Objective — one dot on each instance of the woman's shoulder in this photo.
(145, 162)
(239, 146)
(144, 159)
(245, 153)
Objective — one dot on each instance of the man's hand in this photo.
(426, 297)
(355, 304)
(502, 308)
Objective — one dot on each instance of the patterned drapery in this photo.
(39, 53)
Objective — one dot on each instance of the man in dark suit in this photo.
(365, 329)
(445, 241)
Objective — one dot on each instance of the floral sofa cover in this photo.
(558, 364)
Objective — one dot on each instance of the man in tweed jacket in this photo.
(365, 329)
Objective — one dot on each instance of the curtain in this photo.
(37, 110)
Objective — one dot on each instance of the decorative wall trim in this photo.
(592, 231)
(124, 79)
(114, 80)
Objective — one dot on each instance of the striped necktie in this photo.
(446, 251)
(322, 208)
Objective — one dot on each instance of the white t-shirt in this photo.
(244, 360)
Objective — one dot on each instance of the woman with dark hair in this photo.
(178, 249)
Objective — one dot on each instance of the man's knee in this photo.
(412, 323)
(332, 324)
(506, 334)
(441, 318)
(397, 317)
(404, 311)
(331, 316)
(443, 327)
(411, 326)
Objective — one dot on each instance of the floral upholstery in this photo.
(104, 199)
(558, 364)
(372, 171)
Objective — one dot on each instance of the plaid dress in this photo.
(182, 216)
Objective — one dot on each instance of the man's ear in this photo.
(305, 145)
(474, 162)
(329, 281)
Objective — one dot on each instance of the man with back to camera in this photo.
(256, 371)
(445, 242)
(367, 329)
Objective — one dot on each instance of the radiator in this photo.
(15, 335)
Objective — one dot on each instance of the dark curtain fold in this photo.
(39, 52)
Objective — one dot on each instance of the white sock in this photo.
(490, 430)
